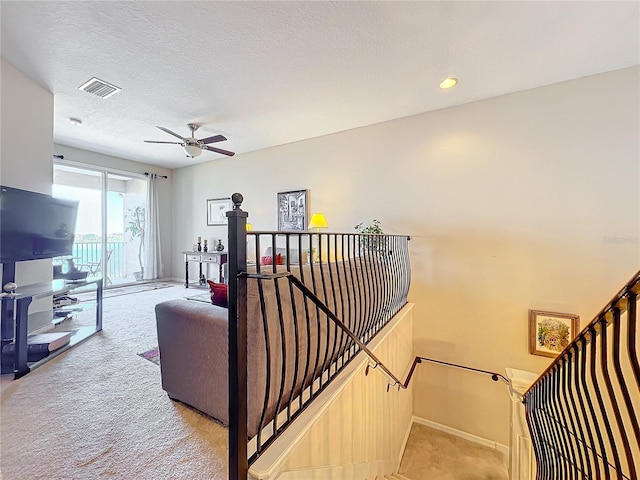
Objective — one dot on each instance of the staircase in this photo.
(335, 421)
(337, 438)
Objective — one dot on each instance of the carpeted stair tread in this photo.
(433, 454)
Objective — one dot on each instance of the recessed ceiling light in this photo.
(75, 121)
(448, 82)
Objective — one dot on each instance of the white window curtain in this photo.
(153, 257)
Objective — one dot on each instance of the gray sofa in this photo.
(192, 351)
(193, 344)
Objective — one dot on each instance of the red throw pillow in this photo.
(219, 293)
(268, 259)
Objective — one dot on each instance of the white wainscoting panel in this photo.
(522, 465)
(355, 429)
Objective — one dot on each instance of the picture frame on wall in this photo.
(551, 332)
(293, 211)
(217, 209)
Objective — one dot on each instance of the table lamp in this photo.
(318, 221)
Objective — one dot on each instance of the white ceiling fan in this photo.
(192, 146)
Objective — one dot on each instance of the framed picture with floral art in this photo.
(550, 333)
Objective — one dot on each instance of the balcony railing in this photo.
(85, 253)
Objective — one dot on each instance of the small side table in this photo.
(203, 257)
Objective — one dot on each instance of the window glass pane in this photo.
(84, 186)
(126, 207)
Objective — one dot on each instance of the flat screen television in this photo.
(34, 225)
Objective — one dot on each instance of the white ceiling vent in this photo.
(99, 87)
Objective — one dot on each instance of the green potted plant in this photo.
(368, 243)
(135, 227)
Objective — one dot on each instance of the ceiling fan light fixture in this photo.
(192, 146)
(192, 150)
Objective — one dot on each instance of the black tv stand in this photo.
(15, 317)
(7, 325)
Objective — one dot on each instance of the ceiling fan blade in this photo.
(171, 133)
(218, 150)
(154, 141)
(214, 139)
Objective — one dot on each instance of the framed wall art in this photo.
(550, 333)
(292, 211)
(217, 209)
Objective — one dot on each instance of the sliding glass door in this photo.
(110, 228)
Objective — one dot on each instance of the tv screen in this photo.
(34, 225)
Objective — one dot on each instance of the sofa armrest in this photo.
(193, 344)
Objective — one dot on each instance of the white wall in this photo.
(525, 201)
(26, 152)
(27, 132)
(86, 157)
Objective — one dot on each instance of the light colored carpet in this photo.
(99, 410)
(432, 454)
(200, 297)
(128, 290)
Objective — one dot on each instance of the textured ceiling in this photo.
(269, 73)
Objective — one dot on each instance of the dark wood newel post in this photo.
(238, 463)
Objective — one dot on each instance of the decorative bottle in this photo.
(219, 246)
(206, 247)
